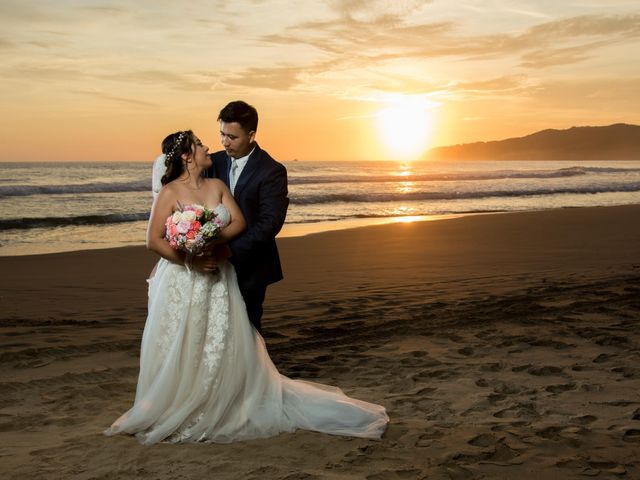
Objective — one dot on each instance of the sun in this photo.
(406, 125)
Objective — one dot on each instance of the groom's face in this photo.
(236, 142)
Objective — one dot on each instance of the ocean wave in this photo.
(303, 200)
(52, 222)
(458, 195)
(459, 176)
(24, 190)
(332, 178)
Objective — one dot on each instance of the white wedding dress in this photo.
(206, 376)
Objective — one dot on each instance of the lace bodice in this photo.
(223, 214)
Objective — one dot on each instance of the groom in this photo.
(259, 186)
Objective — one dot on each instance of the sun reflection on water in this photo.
(408, 186)
(409, 219)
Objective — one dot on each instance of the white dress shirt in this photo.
(241, 163)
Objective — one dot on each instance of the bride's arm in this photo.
(237, 224)
(161, 209)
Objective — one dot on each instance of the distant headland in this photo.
(620, 141)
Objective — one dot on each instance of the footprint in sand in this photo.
(582, 368)
(584, 419)
(613, 340)
(482, 382)
(495, 398)
(426, 439)
(492, 367)
(591, 469)
(609, 467)
(484, 440)
(545, 371)
(603, 357)
(360, 455)
(506, 388)
(627, 372)
(499, 454)
(451, 471)
(632, 435)
(466, 351)
(402, 474)
(301, 476)
(520, 410)
(558, 389)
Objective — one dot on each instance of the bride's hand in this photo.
(205, 262)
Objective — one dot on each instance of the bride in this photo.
(205, 374)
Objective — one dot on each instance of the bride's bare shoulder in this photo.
(167, 194)
(215, 183)
(168, 190)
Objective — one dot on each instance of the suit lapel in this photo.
(222, 167)
(247, 172)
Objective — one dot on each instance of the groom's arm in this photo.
(272, 211)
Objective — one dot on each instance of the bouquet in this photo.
(191, 227)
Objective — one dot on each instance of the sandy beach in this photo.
(503, 346)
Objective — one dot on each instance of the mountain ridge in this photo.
(619, 141)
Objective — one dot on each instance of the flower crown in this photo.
(175, 145)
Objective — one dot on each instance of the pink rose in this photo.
(183, 226)
(191, 234)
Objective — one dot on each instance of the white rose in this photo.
(175, 219)
(188, 216)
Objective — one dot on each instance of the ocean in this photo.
(55, 207)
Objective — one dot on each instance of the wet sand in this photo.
(503, 346)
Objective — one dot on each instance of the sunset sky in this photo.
(332, 80)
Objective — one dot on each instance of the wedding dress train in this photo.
(206, 376)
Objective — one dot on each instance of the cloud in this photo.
(114, 98)
(176, 81)
(343, 48)
(275, 78)
(352, 37)
(384, 36)
(560, 56)
(603, 94)
(586, 25)
(372, 9)
(67, 74)
(499, 84)
(44, 73)
(528, 13)
(6, 44)
(16, 11)
(103, 10)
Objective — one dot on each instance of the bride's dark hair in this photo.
(173, 147)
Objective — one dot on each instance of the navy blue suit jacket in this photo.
(262, 195)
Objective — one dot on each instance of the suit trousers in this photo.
(253, 299)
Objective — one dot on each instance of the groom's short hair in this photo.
(242, 113)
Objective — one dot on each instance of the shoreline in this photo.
(288, 231)
(311, 228)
